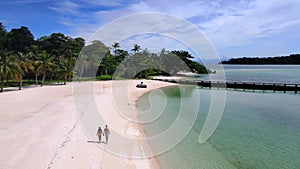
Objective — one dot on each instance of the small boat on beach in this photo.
(141, 85)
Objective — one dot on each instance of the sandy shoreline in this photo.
(39, 128)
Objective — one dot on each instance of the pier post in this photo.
(209, 84)
(234, 85)
(296, 86)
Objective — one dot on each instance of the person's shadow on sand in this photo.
(96, 142)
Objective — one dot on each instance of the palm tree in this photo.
(81, 66)
(115, 47)
(8, 67)
(136, 48)
(66, 68)
(24, 65)
(35, 53)
(45, 62)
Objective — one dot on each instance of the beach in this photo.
(40, 128)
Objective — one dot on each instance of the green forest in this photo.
(58, 58)
(292, 59)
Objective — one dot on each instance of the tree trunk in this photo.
(65, 80)
(80, 76)
(43, 80)
(36, 78)
(2, 81)
(20, 83)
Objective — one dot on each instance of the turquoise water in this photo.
(257, 130)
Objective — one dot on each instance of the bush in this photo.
(103, 77)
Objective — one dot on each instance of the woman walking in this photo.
(99, 133)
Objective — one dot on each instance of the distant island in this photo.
(293, 59)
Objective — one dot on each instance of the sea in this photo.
(255, 130)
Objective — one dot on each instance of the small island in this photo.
(293, 59)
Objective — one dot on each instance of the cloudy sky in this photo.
(235, 27)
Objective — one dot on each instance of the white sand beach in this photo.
(40, 129)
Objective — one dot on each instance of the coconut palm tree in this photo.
(66, 68)
(81, 66)
(8, 67)
(115, 47)
(45, 63)
(136, 48)
(24, 65)
(34, 54)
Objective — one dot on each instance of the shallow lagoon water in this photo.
(257, 130)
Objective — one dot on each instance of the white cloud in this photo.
(140, 7)
(16, 2)
(153, 42)
(67, 23)
(258, 29)
(109, 3)
(156, 31)
(243, 24)
(66, 7)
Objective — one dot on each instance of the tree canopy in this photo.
(19, 40)
(53, 57)
(139, 64)
(21, 56)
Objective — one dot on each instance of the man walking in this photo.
(106, 133)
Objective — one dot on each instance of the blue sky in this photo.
(235, 27)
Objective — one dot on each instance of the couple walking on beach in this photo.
(106, 133)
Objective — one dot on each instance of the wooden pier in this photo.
(239, 85)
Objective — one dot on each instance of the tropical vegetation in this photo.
(23, 57)
(61, 58)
